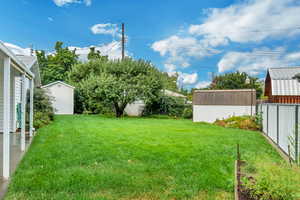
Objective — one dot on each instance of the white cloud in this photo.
(106, 29)
(293, 56)
(258, 60)
(88, 2)
(187, 79)
(247, 21)
(170, 69)
(112, 50)
(202, 84)
(250, 21)
(18, 50)
(180, 49)
(61, 3)
(183, 79)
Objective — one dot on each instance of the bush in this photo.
(41, 119)
(43, 110)
(172, 106)
(273, 181)
(241, 122)
(188, 112)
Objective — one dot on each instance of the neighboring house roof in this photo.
(173, 94)
(31, 63)
(58, 82)
(15, 60)
(282, 81)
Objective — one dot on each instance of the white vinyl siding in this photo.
(12, 91)
(1, 94)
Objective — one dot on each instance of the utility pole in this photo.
(123, 41)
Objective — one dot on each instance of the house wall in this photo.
(12, 98)
(210, 113)
(63, 101)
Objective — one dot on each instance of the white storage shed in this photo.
(210, 105)
(63, 97)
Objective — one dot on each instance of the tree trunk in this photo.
(119, 110)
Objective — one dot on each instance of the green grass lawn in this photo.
(94, 157)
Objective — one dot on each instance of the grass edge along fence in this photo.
(280, 123)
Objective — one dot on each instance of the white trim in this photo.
(23, 105)
(14, 58)
(6, 117)
(58, 82)
(31, 109)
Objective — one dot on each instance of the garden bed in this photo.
(267, 181)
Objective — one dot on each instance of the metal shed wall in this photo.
(224, 97)
(210, 105)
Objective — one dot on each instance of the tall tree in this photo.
(55, 66)
(120, 82)
(237, 80)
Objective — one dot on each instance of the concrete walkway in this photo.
(15, 157)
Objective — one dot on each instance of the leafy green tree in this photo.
(55, 66)
(93, 54)
(120, 82)
(170, 82)
(79, 73)
(237, 80)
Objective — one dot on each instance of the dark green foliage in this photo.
(166, 105)
(43, 110)
(188, 112)
(237, 80)
(41, 119)
(55, 66)
(297, 77)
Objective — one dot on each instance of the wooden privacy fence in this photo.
(280, 123)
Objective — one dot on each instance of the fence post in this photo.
(267, 119)
(277, 124)
(296, 134)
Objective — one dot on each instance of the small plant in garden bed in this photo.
(241, 122)
(270, 181)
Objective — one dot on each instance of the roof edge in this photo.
(232, 90)
(56, 82)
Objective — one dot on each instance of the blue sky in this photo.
(192, 38)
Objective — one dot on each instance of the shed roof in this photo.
(58, 82)
(282, 81)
